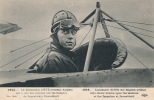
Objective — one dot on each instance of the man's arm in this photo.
(57, 63)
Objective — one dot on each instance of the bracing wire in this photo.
(133, 31)
(136, 27)
(131, 53)
(130, 22)
(85, 36)
(139, 28)
(41, 52)
(83, 25)
(37, 42)
(88, 23)
(24, 55)
(46, 49)
(29, 45)
(29, 59)
(29, 52)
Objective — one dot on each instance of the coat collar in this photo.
(62, 50)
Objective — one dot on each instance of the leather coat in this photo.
(57, 60)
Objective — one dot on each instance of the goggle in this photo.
(67, 24)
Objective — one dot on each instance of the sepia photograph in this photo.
(77, 43)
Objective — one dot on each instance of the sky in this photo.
(35, 16)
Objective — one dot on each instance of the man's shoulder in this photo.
(57, 55)
(54, 54)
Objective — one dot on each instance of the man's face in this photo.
(67, 38)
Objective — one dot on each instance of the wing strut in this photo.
(104, 26)
(91, 14)
(91, 43)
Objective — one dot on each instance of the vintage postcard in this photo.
(76, 49)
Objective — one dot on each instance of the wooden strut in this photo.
(128, 30)
(91, 43)
(91, 14)
(104, 26)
